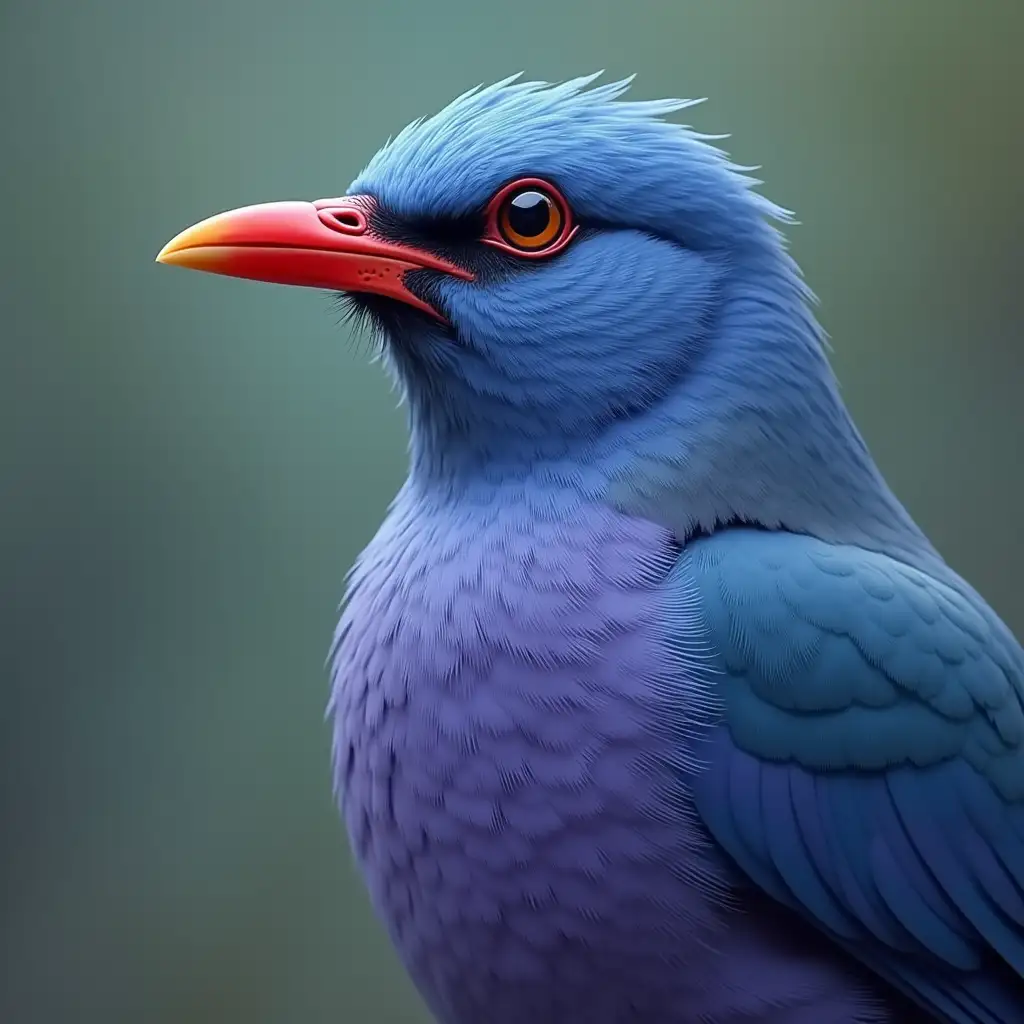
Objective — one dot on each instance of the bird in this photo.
(650, 702)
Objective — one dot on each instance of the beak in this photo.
(327, 244)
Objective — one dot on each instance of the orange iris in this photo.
(529, 219)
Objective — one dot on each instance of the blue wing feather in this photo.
(869, 767)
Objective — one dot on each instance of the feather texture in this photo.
(606, 757)
(870, 768)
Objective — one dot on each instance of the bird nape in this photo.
(650, 701)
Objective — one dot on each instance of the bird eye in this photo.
(529, 217)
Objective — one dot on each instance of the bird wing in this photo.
(868, 767)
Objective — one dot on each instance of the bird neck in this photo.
(465, 441)
(756, 434)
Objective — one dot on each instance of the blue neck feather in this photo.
(750, 428)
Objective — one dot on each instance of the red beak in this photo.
(326, 244)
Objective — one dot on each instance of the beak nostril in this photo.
(348, 220)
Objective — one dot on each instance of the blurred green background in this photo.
(189, 464)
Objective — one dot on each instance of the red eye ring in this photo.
(500, 235)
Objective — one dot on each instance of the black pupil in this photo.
(529, 214)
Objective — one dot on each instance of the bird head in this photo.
(560, 275)
(536, 258)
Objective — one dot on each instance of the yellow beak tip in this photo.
(175, 246)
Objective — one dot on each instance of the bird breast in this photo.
(501, 753)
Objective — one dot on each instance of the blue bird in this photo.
(651, 704)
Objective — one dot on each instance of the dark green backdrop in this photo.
(189, 464)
